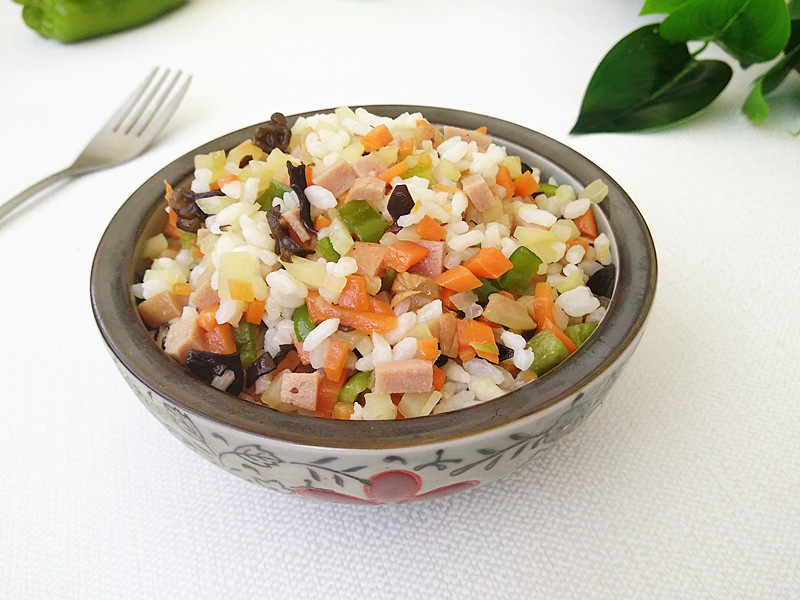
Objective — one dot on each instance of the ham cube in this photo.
(368, 166)
(204, 296)
(305, 355)
(478, 191)
(300, 389)
(292, 219)
(433, 264)
(161, 308)
(370, 189)
(184, 335)
(481, 139)
(404, 376)
(369, 257)
(338, 178)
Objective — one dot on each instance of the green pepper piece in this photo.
(547, 189)
(326, 250)
(579, 332)
(488, 287)
(245, 340)
(275, 190)
(363, 220)
(548, 352)
(355, 385)
(388, 279)
(187, 237)
(73, 20)
(419, 171)
(526, 264)
(303, 325)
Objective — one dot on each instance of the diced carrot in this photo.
(430, 230)
(482, 129)
(491, 324)
(168, 192)
(394, 171)
(439, 378)
(341, 411)
(226, 179)
(208, 317)
(525, 185)
(578, 242)
(336, 359)
(403, 255)
(173, 217)
(424, 160)
(320, 309)
(381, 307)
(196, 253)
(296, 238)
(182, 289)
(478, 337)
(290, 362)
(504, 179)
(489, 262)
(327, 394)
(308, 175)
(551, 326)
(458, 279)
(428, 349)
(377, 138)
(255, 312)
(508, 295)
(171, 231)
(406, 147)
(586, 224)
(220, 339)
(543, 305)
(321, 221)
(302, 353)
(355, 295)
(240, 290)
(445, 298)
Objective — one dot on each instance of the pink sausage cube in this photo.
(478, 191)
(300, 389)
(433, 264)
(338, 178)
(404, 376)
(369, 165)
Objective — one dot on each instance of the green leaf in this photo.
(645, 81)
(750, 30)
(794, 9)
(657, 7)
(794, 39)
(756, 107)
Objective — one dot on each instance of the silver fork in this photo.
(126, 134)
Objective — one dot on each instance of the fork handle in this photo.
(7, 207)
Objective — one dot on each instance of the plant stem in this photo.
(700, 49)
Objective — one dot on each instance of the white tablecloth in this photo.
(684, 484)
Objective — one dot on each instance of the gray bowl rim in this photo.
(126, 337)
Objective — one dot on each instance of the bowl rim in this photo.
(126, 337)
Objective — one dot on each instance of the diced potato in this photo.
(351, 152)
(565, 230)
(565, 193)
(421, 331)
(345, 112)
(541, 241)
(379, 406)
(155, 246)
(418, 405)
(246, 148)
(507, 312)
(570, 282)
(276, 160)
(306, 271)
(339, 235)
(241, 266)
(513, 164)
(595, 192)
(388, 155)
(259, 169)
(213, 205)
(449, 170)
(214, 161)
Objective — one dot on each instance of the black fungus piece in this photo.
(245, 161)
(528, 334)
(285, 245)
(261, 366)
(504, 352)
(400, 202)
(209, 194)
(440, 361)
(298, 183)
(525, 167)
(394, 227)
(190, 217)
(274, 134)
(207, 365)
(602, 282)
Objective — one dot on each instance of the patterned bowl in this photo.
(376, 462)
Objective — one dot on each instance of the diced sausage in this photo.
(433, 264)
(183, 335)
(369, 257)
(300, 389)
(370, 189)
(368, 166)
(481, 139)
(338, 178)
(293, 220)
(404, 376)
(161, 308)
(478, 192)
(302, 353)
(424, 131)
(204, 296)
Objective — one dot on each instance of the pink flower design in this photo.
(395, 486)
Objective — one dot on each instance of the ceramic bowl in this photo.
(377, 462)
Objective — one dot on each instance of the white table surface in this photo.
(684, 484)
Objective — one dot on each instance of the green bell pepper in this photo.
(419, 171)
(303, 325)
(73, 20)
(547, 189)
(519, 278)
(244, 337)
(355, 385)
(488, 287)
(275, 190)
(579, 332)
(548, 352)
(327, 251)
(363, 220)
